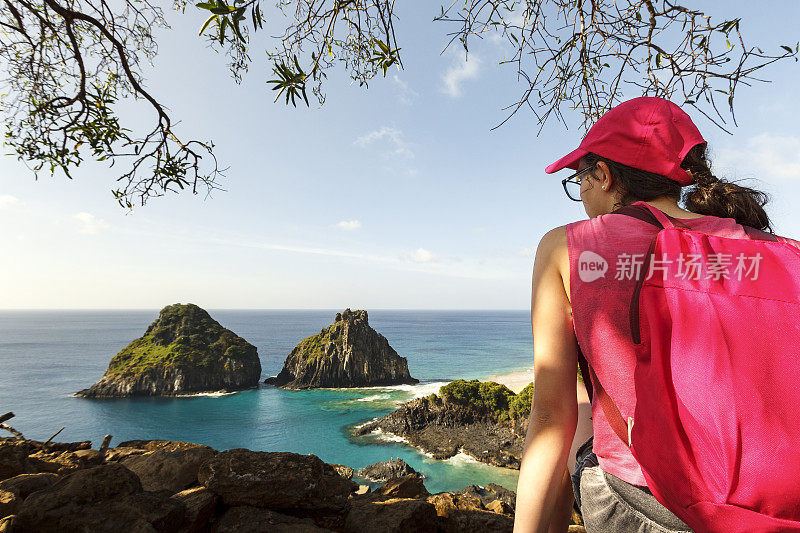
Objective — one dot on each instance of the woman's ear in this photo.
(606, 180)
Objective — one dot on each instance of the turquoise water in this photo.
(46, 356)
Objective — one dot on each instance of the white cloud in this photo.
(349, 224)
(6, 200)
(421, 255)
(517, 23)
(89, 224)
(393, 135)
(420, 260)
(406, 94)
(764, 156)
(463, 69)
(398, 170)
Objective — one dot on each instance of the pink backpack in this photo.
(716, 428)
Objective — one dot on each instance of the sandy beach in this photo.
(516, 381)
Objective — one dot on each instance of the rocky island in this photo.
(348, 353)
(183, 351)
(483, 419)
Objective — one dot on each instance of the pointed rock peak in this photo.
(359, 315)
(181, 319)
(182, 310)
(347, 353)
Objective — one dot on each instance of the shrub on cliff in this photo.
(521, 403)
(487, 397)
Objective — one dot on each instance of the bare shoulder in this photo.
(556, 236)
(553, 254)
(553, 247)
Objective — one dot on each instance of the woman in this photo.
(646, 149)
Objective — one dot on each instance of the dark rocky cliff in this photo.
(483, 419)
(348, 353)
(183, 351)
(180, 487)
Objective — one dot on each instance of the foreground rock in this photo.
(483, 419)
(200, 504)
(244, 477)
(232, 491)
(183, 351)
(102, 498)
(168, 470)
(248, 519)
(386, 470)
(348, 353)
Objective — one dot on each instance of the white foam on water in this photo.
(418, 391)
(365, 423)
(214, 394)
(391, 437)
(462, 458)
(373, 398)
(388, 437)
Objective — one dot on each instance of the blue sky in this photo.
(396, 196)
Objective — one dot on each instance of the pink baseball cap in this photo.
(647, 133)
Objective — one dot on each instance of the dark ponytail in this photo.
(710, 195)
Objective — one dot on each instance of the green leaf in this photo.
(206, 5)
(787, 48)
(222, 24)
(382, 46)
(236, 30)
(206, 23)
(658, 60)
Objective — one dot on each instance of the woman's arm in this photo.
(554, 413)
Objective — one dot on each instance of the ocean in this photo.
(47, 356)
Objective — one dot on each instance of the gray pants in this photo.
(609, 504)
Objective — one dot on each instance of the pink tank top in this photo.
(603, 256)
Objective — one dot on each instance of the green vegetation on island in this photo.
(183, 351)
(184, 336)
(314, 347)
(489, 398)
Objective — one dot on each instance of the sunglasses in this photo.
(572, 184)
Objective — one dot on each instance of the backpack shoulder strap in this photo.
(645, 213)
(759, 235)
(610, 408)
(640, 212)
(583, 364)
